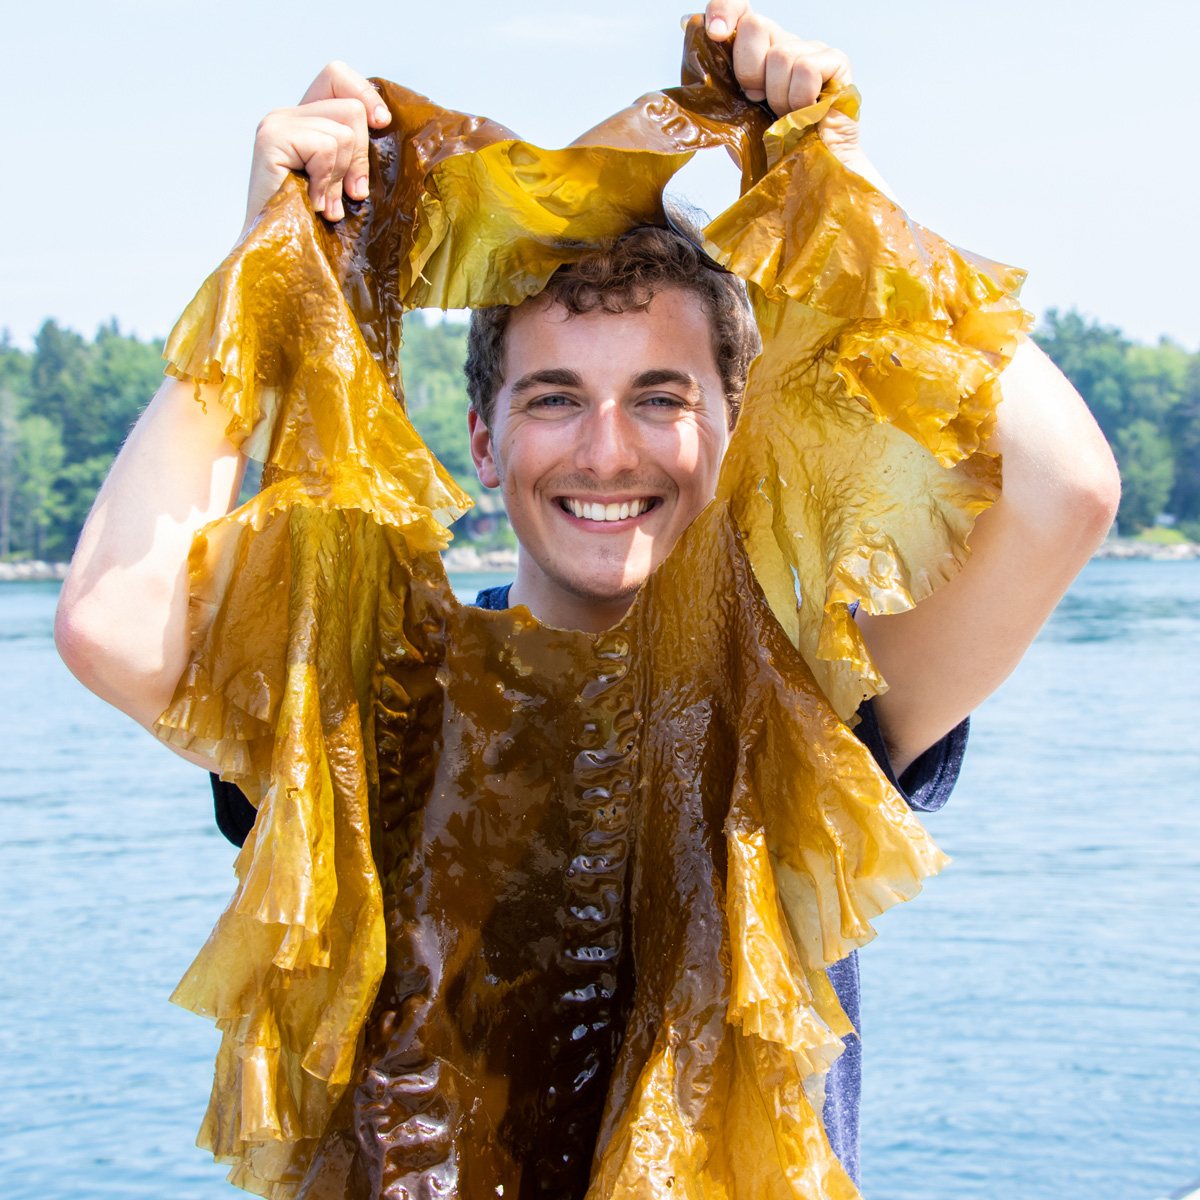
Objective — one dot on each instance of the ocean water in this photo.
(1032, 1019)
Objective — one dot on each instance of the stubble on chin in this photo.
(597, 592)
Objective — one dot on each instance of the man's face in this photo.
(606, 440)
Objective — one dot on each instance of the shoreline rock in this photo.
(1151, 551)
(32, 570)
(467, 558)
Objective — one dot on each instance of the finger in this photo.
(792, 79)
(797, 73)
(831, 64)
(337, 81)
(754, 36)
(721, 18)
(350, 114)
(331, 173)
(318, 149)
(322, 149)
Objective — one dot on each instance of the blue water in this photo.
(1031, 1020)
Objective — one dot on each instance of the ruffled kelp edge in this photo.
(859, 463)
(287, 593)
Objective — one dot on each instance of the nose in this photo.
(608, 443)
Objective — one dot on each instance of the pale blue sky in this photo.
(1057, 136)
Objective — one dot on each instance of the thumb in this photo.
(721, 18)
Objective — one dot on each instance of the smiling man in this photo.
(602, 409)
(599, 410)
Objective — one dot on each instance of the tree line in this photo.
(68, 404)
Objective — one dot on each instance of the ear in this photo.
(482, 450)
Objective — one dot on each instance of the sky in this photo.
(1056, 136)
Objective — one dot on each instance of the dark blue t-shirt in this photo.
(926, 785)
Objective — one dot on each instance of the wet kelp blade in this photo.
(531, 912)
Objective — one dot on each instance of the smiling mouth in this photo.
(587, 510)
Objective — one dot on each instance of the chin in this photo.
(605, 591)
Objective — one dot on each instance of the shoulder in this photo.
(495, 598)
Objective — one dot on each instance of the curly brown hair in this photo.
(620, 277)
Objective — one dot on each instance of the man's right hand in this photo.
(325, 136)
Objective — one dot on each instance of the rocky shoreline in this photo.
(32, 570)
(1153, 551)
(467, 558)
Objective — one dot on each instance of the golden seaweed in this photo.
(528, 912)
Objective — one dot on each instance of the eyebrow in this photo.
(657, 376)
(554, 376)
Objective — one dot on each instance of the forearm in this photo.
(122, 621)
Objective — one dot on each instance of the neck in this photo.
(559, 608)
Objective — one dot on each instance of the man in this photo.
(603, 417)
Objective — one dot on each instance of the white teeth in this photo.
(607, 512)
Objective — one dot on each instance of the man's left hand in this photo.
(786, 71)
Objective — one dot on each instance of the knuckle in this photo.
(352, 112)
(268, 132)
(321, 163)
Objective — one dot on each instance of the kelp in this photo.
(530, 912)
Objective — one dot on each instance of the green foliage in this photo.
(1182, 427)
(39, 462)
(1146, 399)
(65, 409)
(431, 364)
(1147, 473)
(1161, 535)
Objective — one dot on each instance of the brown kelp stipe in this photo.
(532, 913)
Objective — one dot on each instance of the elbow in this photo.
(1069, 510)
(80, 643)
(70, 636)
(1080, 511)
(1096, 496)
(89, 641)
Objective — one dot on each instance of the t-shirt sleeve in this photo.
(235, 814)
(927, 782)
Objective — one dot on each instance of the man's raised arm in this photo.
(122, 621)
(1061, 489)
(1061, 485)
